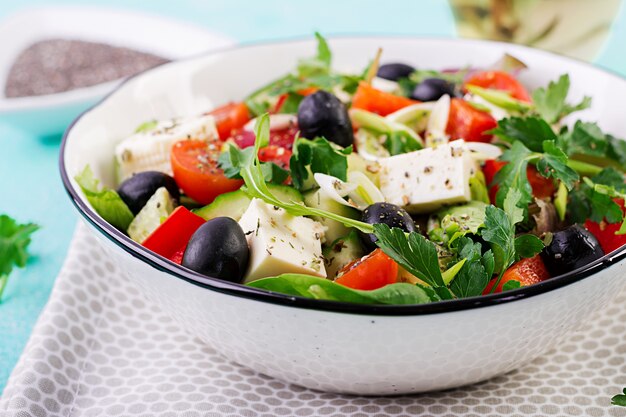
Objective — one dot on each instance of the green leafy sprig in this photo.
(14, 241)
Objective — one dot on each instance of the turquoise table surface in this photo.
(30, 187)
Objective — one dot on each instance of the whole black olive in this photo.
(218, 249)
(394, 71)
(570, 249)
(137, 190)
(389, 214)
(432, 89)
(322, 114)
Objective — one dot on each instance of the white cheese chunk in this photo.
(425, 180)
(150, 150)
(281, 243)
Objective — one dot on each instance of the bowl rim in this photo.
(162, 264)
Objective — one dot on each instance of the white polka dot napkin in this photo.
(101, 349)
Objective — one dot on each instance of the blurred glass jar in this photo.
(577, 28)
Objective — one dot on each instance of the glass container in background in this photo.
(577, 28)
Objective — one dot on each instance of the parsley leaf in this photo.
(499, 230)
(550, 101)
(476, 272)
(14, 240)
(587, 203)
(513, 174)
(531, 131)
(584, 138)
(106, 202)
(554, 164)
(317, 155)
(416, 254)
(233, 159)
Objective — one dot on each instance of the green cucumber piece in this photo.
(158, 207)
(334, 229)
(235, 203)
(341, 252)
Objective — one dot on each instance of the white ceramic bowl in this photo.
(335, 346)
(50, 114)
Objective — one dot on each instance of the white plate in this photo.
(50, 114)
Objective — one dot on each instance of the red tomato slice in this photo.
(368, 98)
(542, 187)
(171, 237)
(500, 80)
(282, 138)
(370, 272)
(276, 154)
(527, 271)
(230, 117)
(605, 232)
(467, 122)
(194, 163)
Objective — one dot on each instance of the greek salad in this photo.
(395, 185)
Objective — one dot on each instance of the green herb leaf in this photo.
(513, 174)
(233, 159)
(619, 399)
(324, 289)
(320, 64)
(414, 253)
(476, 272)
(531, 131)
(317, 155)
(511, 285)
(527, 246)
(550, 101)
(588, 203)
(14, 240)
(554, 164)
(400, 141)
(106, 202)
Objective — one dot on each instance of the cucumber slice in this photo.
(158, 207)
(341, 252)
(334, 229)
(235, 203)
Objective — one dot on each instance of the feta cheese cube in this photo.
(150, 150)
(425, 180)
(281, 243)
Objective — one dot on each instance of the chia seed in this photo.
(57, 65)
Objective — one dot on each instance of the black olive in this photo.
(570, 249)
(394, 71)
(389, 214)
(218, 249)
(137, 190)
(432, 89)
(322, 114)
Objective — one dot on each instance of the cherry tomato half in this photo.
(194, 163)
(527, 271)
(500, 80)
(230, 117)
(370, 272)
(279, 137)
(605, 232)
(467, 122)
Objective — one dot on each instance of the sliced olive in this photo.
(432, 89)
(322, 114)
(137, 190)
(218, 249)
(570, 249)
(389, 214)
(394, 71)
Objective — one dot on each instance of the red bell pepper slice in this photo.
(370, 99)
(171, 237)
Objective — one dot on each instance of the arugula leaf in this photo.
(14, 240)
(476, 272)
(319, 64)
(531, 131)
(317, 155)
(106, 202)
(550, 101)
(323, 289)
(233, 159)
(619, 399)
(416, 254)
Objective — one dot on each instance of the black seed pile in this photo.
(56, 65)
